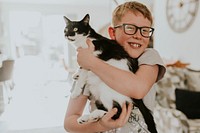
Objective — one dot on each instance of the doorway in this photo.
(42, 86)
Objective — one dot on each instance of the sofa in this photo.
(178, 101)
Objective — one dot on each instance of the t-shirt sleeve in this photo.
(85, 92)
(152, 57)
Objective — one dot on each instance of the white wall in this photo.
(100, 14)
(173, 46)
(176, 46)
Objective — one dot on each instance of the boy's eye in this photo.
(130, 28)
(75, 29)
(145, 31)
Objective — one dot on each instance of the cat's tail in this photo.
(147, 114)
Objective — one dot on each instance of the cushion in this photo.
(193, 78)
(188, 102)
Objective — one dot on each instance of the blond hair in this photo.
(134, 7)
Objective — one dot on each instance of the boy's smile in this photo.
(134, 45)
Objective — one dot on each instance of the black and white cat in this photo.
(76, 32)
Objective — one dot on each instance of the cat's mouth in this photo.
(70, 38)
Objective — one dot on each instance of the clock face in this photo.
(181, 13)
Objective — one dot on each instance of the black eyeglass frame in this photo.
(140, 28)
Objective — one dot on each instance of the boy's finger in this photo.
(124, 111)
(78, 49)
(90, 44)
(130, 106)
(111, 113)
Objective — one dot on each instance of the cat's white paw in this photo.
(93, 117)
(96, 115)
(83, 119)
(75, 76)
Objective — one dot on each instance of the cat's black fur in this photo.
(109, 49)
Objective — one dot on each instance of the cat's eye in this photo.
(75, 29)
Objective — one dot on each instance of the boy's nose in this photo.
(137, 34)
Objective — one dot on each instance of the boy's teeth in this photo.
(135, 45)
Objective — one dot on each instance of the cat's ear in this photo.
(66, 20)
(86, 19)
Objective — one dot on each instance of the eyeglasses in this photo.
(131, 29)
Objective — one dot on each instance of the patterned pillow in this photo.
(170, 120)
(192, 79)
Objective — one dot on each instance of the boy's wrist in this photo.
(101, 127)
(93, 61)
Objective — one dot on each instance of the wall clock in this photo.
(181, 13)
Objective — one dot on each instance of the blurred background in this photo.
(31, 35)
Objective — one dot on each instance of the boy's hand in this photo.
(109, 123)
(85, 55)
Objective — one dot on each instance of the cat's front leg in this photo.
(93, 117)
(80, 83)
(76, 75)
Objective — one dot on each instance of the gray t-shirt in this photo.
(152, 57)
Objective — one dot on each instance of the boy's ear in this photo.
(111, 32)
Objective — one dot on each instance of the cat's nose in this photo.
(70, 34)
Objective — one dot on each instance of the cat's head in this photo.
(77, 31)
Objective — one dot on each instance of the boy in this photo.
(132, 23)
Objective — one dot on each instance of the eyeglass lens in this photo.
(132, 29)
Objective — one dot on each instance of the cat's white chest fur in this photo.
(99, 90)
(80, 41)
(102, 91)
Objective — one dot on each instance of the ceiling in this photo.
(73, 2)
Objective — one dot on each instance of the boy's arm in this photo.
(75, 110)
(133, 85)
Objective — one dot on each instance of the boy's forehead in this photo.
(123, 10)
(135, 18)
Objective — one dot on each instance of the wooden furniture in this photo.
(6, 72)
